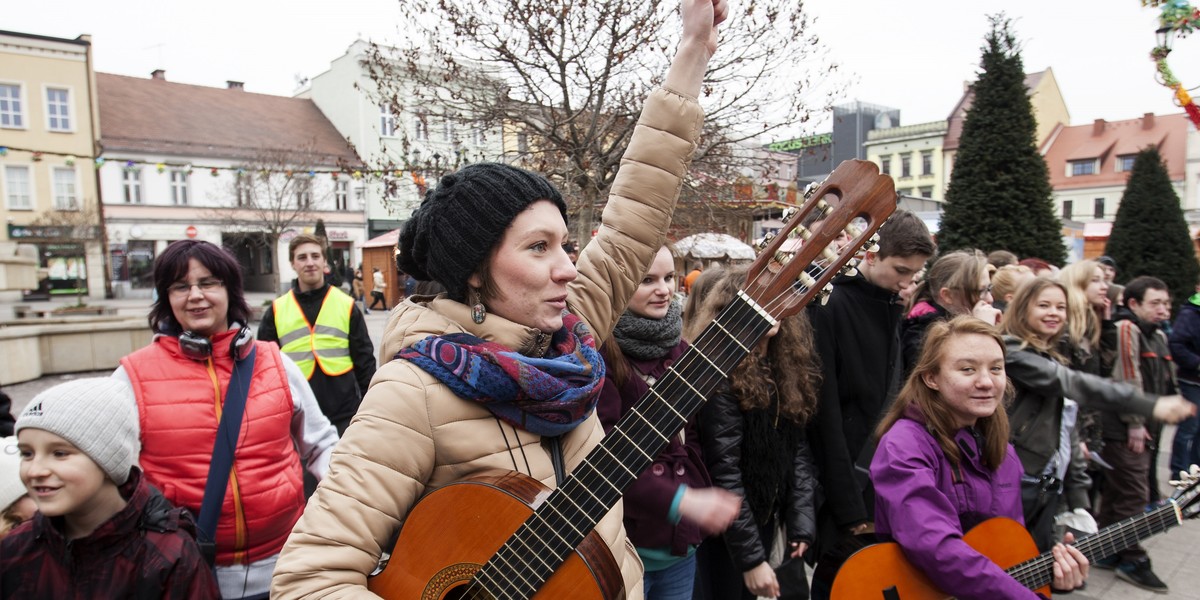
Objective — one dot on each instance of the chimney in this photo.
(234, 85)
(1098, 127)
(1148, 121)
(158, 74)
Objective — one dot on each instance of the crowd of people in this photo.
(929, 394)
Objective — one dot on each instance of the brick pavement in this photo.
(1175, 554)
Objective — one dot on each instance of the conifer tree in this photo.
(999, 195)
(1149, 235)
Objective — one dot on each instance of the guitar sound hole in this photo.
(459, 592)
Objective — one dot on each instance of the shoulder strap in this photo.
(223, 449)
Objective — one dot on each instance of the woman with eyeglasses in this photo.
(958, 283)
(181, 381)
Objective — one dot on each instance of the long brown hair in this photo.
(1083, 322)
(1016, 318)
(938, 418)
(789, 366)
(959, 272)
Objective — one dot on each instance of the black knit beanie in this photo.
(450, 235)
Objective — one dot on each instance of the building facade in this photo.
(818, 155)
(246, 171)
(419, 141)
(47, 147)
(912, 155)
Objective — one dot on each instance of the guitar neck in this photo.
(569, 513)
(1038, 572)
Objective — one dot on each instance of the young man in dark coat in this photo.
(857, 340)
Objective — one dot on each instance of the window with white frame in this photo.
(905, 166)
(387, 121)
(179, 187)
(447, 130)
(1076, 168)
(242, 186)
(18, 188)
(927, 163)
(1068, 210)
(885, 165)
(420, 128)
(302, 186)
(522, 143)
(341, 195)
(65, 195)
(58, 109)
(11, 115)
(1098, 208)
(1125, 162)
(477, 136)
(132, 180)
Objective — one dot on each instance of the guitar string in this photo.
(538, 523)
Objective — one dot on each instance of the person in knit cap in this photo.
(16, 506)
(523, 324)
(101, 531)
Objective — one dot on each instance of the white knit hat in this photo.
(11, 487)
(98, 415)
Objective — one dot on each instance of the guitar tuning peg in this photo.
(806, 280)
(828, 289)
(766, 241)
(788, 213)
(849, 271)
(809, 189)
(824, 298)
(871, 247)
(875, 238)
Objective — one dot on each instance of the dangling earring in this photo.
(478, 312)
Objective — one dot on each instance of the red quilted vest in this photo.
(177, 399)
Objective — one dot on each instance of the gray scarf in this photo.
(645, 339)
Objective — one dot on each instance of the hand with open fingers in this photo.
(797, 549)
(1070, 565)
(711, 509)
(1173, 409)
(761, 581)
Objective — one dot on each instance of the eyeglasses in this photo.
(183, 289)
(986, 290)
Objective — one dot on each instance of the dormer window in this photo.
(1076, 168)
(1125, 162)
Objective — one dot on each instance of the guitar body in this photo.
(875, 569)
(453, 531)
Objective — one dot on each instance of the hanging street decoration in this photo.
(1178, 18)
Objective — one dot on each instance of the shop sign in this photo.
(51, 232)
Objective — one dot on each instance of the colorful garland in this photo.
(1181, 18)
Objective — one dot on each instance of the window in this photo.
(906, 166)
(926, 164)
(341, 194)
(387, 121)
(18, 188)
(58, 109)
(447, 130)
(477, 137)
(926, 192)
(65, 197)
(360, 194)
(420, 128)
(1068, 207)
(885, 165)
(10, 106)
(1098, 208)
(522, 143)
(133, 185)
(179, 187)
(303, 191)
(1125, 163)
(1082, 167)
(243, 187)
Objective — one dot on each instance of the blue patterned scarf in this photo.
(548, 396)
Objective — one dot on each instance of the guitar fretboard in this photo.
(1038, 572)
(545, 540)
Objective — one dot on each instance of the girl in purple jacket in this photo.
(944, 465)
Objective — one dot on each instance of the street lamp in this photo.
(1165, 36)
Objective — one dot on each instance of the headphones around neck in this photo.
(198, 347)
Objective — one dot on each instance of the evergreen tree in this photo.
(999, 195)
(1149, 235)
(319, 231)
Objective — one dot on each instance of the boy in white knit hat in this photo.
(16, 506)
(102, 530)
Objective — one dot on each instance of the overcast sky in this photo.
(909, 54)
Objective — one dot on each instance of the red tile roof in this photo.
(1108, 140)
(159, 117)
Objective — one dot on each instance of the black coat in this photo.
(339, 396)
(857, 337)
(723, 428)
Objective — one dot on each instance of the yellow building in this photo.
(48, 133)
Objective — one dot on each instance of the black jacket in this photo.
(912, 335)
(856, 335)
(723, 429)
(339, 396)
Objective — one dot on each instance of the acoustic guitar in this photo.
(506, 536)
(882, 571)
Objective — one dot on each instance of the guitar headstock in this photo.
(1187, 493)
(854, 200)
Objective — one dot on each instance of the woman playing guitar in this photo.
(501, 372)
(944, 464)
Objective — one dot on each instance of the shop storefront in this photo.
(62, 259)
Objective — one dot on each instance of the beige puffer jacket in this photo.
(412, 435)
